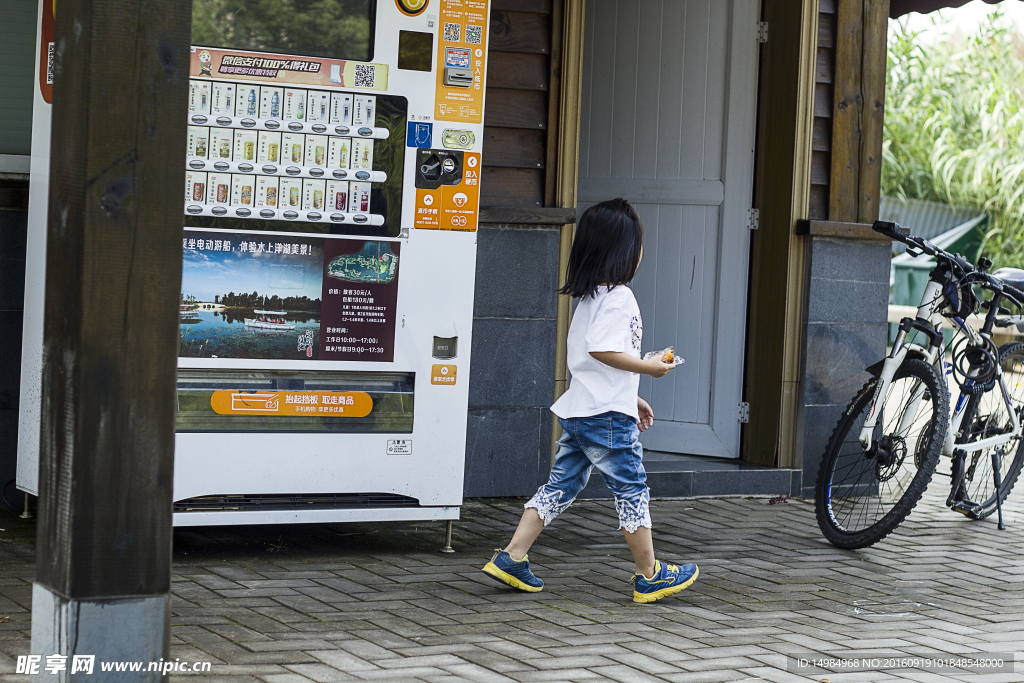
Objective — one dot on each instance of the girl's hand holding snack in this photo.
(658, 366)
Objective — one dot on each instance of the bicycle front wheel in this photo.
(862, 495)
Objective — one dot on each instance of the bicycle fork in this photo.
(889, 367)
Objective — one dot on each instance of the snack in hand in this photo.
(668, 356)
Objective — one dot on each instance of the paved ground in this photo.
(378, 602)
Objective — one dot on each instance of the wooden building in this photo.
(748, 133)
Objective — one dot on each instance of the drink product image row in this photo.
(259, 192)
(216, 98)
(280, 148)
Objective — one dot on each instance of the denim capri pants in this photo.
(610, 442)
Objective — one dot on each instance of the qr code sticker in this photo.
(474, 34)
(452, 33)
(365, 75)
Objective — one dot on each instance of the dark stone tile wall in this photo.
(13, 230)
(508, 442)
(847, 303)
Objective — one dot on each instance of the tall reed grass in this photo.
(954, 127)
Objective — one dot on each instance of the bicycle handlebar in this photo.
(897, 232)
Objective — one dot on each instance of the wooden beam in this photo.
(848, 103)
(876, 24)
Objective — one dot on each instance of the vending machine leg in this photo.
(447, 538)
(26, 514)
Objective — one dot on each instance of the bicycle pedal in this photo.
(972, 510)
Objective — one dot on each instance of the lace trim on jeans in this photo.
(548, 504)
(633, 515)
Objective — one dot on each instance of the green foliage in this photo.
(954, 127)
(328, 28)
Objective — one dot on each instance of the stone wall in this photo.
(508, 444)
(847, 304)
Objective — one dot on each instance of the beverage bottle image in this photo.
(344, 155)
(344, 117)
(366, 157)
(369, 114)
(293, 196)
(323, 108)
(271, 196)
(227, 100)
(198, 192)
(251, 111)
(222, 194)
(297, 153)
(201, 147)
(247, 194)
(272, 151)
(364, 201)
(319, 154)
(302, 109)
(225, 149)
(275, 107)
(340, 200)
(249, 150)
(203, 104)
(318, 199)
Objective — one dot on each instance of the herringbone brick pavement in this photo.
(379, 602)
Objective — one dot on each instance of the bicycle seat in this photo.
(1012, 276)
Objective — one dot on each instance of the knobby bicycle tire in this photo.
(988, 506)
(926, 460)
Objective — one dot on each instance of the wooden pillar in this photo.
(113, 276)
(859, 108)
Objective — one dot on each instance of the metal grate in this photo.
(296, 501)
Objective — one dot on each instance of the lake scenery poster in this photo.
(261, 296)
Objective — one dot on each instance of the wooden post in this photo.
(113, 275)
(876, 25)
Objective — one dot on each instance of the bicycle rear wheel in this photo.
(862, 496)
(993, 419)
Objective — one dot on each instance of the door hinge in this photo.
(762, 32)
(753, 218)
(744, 412)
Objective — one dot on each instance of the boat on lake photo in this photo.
(269, 320)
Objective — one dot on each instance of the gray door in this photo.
(667, 121)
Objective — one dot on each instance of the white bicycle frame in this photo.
(929, 311)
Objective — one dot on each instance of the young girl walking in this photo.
(601, 414)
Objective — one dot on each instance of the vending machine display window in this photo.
(341, 29)
(294, 401)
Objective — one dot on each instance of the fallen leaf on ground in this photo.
(4, 619)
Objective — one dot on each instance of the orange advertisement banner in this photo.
(46, 43)
(461, 56)
(286, 69)
(452, 207)
(292, 403)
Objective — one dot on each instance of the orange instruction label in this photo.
(292, 403)
(461, 53)
(443, 374)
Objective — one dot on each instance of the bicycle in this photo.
(889, 440)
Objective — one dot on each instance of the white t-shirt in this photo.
(608, 321)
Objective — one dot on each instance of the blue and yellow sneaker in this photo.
(516, 574)
(668, 579)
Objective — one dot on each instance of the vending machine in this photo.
(330, 211)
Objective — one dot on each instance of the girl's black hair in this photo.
(606, 249)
